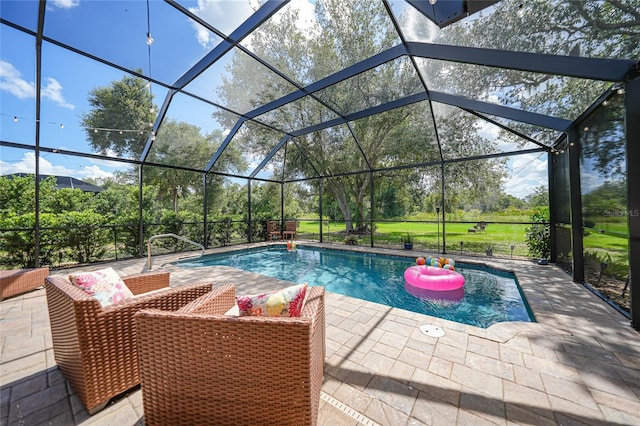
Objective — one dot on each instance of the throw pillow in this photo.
(287, 302)
(105, 285)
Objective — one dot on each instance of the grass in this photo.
(500, 237)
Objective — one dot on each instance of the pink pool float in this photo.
(435, 295)
(433, 278)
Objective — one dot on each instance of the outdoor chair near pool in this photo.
(201, 365)
(94, 345)
(290, 230)
(273, 230)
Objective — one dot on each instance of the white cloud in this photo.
(108, 163)
(488, 130)
(94, 172)
(227, 16)
(590, 181)
(306, 16)
(527, 172)
(53, 91)
(224, 15)
(11, 81)
(27, 164)
(65, 4)
(418, 28)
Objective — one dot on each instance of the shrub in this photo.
(17, 242)
(537, 235)
(223, 230)
(351, 240)
(83, 238)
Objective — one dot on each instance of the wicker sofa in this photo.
(18, 281)
(199, 366)
(95, 346)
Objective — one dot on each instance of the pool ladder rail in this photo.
(155, 237)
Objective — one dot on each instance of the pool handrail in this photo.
(181, 238)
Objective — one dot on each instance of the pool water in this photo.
(488, 296)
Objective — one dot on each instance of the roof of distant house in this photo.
(65, 182)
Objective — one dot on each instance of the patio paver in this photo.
(578, 364)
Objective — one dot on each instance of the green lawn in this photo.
(500, 237)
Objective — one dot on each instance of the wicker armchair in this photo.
(199, 366)
(95, 347)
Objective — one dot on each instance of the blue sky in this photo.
(117, 31)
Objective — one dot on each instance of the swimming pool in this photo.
(489, 295)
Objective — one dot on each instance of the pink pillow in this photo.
(287, 302)
(104, 284)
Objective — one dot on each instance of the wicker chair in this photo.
(199, 366)
(95, 347)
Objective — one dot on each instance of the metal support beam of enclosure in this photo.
(553, 214)
(37, 135)
(140, 212)
(371, 206)
(576, 205)
(632, 125)
(444, 221)
(249, 218)
(320, 206)
(205, 224)
(281, 207)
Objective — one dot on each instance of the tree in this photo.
(179, 144)
(350, 33)
(18, 194)
(123, 112)
(583, 28)
(602, 29)
(539, 197)
(121, 117)
(602, 141)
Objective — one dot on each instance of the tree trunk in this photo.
(339, 192)
(174, 196)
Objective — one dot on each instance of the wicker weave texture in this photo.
(18, 281)
(211, 369)
(95, 347)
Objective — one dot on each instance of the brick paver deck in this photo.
(579, 364)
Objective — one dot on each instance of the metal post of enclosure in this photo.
(553, 215)
(281, 206)
(205, 224)
(632, 127)
(444, 241)
(577, 232)
(140, 213)
(249, 218)
(371, 207)
(438, 221)
(320, 205)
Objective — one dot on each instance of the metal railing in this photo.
(155, 237)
